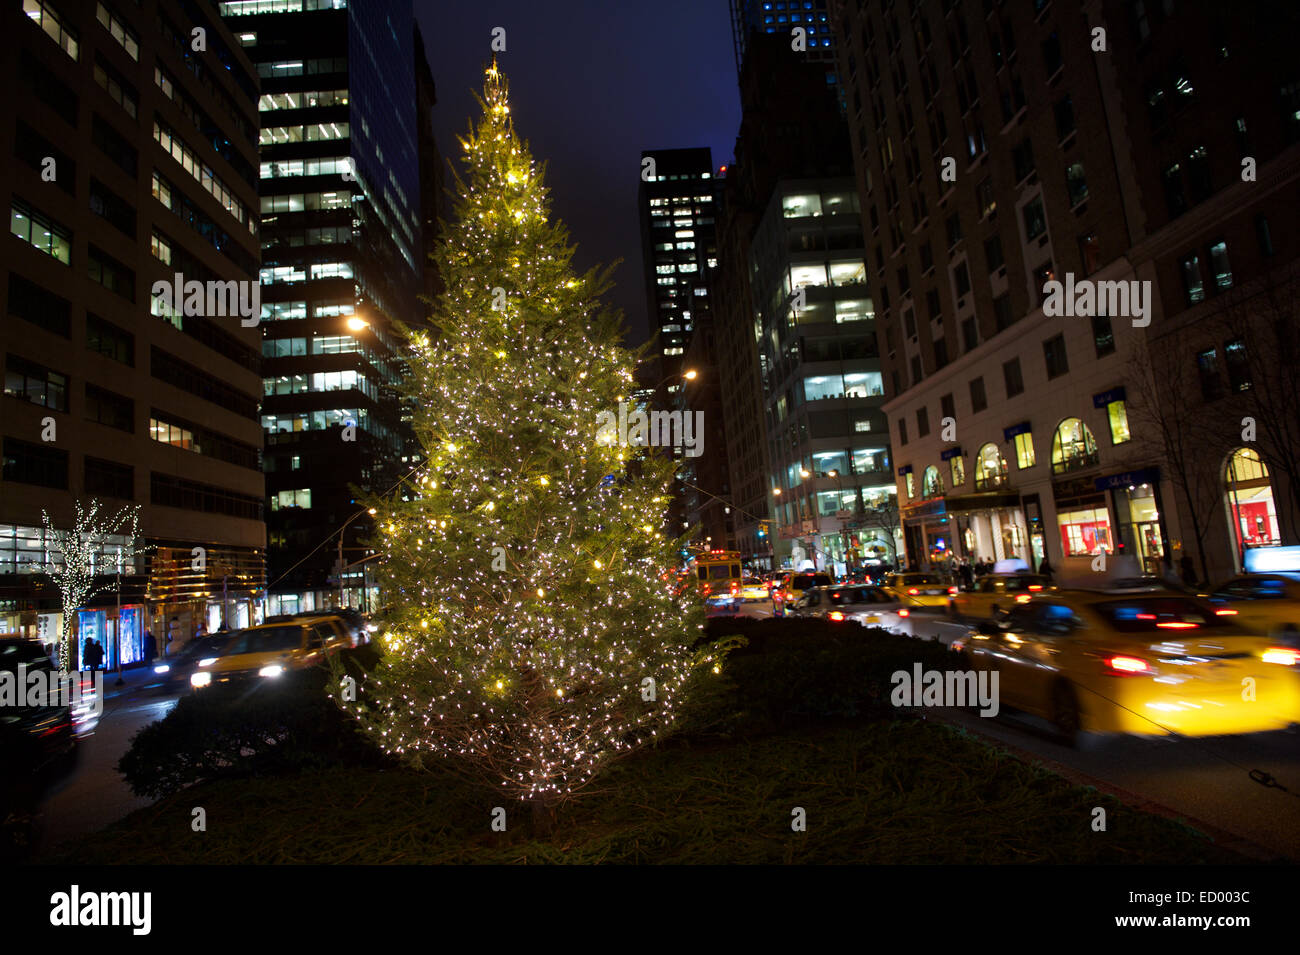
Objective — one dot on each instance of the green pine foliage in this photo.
(524, 562)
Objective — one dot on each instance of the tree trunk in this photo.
(543, 818)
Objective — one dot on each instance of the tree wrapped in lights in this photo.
(531, 636)
(75, 557)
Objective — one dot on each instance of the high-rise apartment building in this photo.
(791, 136)
(132, 160)
(678, 205)
(782, 18)
(1131, 160)
(343, 253)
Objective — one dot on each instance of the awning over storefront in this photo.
(931, 508)
(950, 454)
(981, 502)
(1011, 432)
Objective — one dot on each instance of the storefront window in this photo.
(1085, 531)
(932, 483)
(958, 471)
(1073, 447)
(1250, 500)
(1117, 417)
(911, 486)
(990, 468)
(1025, 450)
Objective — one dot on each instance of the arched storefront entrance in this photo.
(1249, 497)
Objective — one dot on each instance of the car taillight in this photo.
(913, 591)
(1023, 598)
(1146, 616)
(1177, 625)
(1123, 664)
(904, 612)
(735, 587)
(835, 615)
(705, 589)
(1224, 613)
(1035, 586)
(952, 590)
(1286, 656)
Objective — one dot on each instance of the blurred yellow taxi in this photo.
(928, 590)
(996, 592)
(1268, 603)
(269, 651)
(1150, 663)
(753, 588)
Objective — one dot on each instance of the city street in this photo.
(93, 794)
(1206, 778)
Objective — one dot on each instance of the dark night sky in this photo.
(592, 84)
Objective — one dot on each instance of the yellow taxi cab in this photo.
(1269, 603)
(753, 588)
(996, 592)
(1151, 663)
(928, 590)
(270, 651)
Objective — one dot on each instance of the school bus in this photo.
(716, 571)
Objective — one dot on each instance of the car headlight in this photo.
(200, 679)
(207, 661)
(162, 668)
(271, 672)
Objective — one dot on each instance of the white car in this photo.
(866, 605)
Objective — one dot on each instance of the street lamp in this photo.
(371, 513)
(839, 482)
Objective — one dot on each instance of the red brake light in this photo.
(706, 588)
(1035, 586)
(1122, 664)
(734, 587)
(836, 615)
(1177, 625)
(1224, 613)
(913, 591)
(904, 612)
(1146, 616)
(952, 590)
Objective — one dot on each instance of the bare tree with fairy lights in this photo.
(75, 557)
(531, 637)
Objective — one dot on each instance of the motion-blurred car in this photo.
(1146, 664)
(32, 736)
(866, 605)
(350, 625)
(172, 674)
(270, 651)
(994, 593)
(930, 590)
(722, 605)
(1269, 603)
(792, 587)
(754, 588)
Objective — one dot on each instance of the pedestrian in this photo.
(967, 574)
(150, 647)
(88, 652)
(95, 655)
(1045, 568)
(1188, 570)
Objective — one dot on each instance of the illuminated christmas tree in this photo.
(532, 636)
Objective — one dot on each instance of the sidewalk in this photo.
(134, 678)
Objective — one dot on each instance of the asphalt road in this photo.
(1206, 780)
